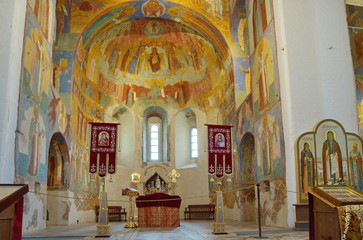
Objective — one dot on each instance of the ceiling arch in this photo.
(136, 9)
(152, 51)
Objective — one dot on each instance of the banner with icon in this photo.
(219, 150)
(103, 148)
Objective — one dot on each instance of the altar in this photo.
(158, 210)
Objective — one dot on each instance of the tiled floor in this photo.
(188, 230)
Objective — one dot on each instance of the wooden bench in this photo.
(115, 213)
(201, 211)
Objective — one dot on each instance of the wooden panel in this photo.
(322, 206)
(6, 223)
(11, 193)
(326, 221)
(302, 212)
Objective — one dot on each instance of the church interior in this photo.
(285, 76)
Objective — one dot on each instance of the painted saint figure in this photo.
(262, 82)
(266, 146)
(173, 62)
(356, 166)
(332, 159)
(219, 141)
(55, 168)
(195, 59)
(158, 184)
(154, 60)
(103, 139)
(136, 61)
(35, 135)
(307, 168)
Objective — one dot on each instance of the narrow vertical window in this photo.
(155, 135)
(194, 142)
(154, 142)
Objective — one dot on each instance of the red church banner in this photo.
(219, 150)
(103, 148)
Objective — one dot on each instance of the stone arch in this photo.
(58, 160)
(58, 208)
(247, 197)
(156, 184)
(246, 159)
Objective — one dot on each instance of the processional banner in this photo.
(103, 148)
(219, 150)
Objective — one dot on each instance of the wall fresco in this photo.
(247, 158)
(32, 138)
(36, 63)
(240, 52)
(355, 22)
(62, 67)
(242, 78)
(259, 18)
(273, 203)
(239, 30)
(216, 11)
(244, 117)
(270, 146)
(31, 158)
(58, 163)
(265, 81)
(150, 59)
(42, 12)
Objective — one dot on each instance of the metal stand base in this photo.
(219, 228)
(103, 231)
(131, 223)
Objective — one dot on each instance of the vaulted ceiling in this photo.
(174, 51)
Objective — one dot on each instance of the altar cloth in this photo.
(158, 210)
(158, 200)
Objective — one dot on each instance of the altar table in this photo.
(158, 210)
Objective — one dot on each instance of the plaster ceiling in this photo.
(153, 47)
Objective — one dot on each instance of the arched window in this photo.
(194, 143)
(154, 141)
(155, 137)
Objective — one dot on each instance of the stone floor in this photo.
(188, 230)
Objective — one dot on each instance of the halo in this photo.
(302, 145)
(103, 132)
(351, 145)
(326, 134)
(219, 134)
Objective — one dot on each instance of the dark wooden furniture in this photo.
(199, 211)
(115, 213)
(11, 210)
(323, 210)
(302, 216)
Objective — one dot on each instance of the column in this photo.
(12, 16)
(316, 73)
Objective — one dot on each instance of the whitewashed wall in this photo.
(12, 18)
(316, 73)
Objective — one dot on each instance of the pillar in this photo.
(12, 18)
(316, 74)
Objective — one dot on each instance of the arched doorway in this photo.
(57, 181)
(247, 177)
